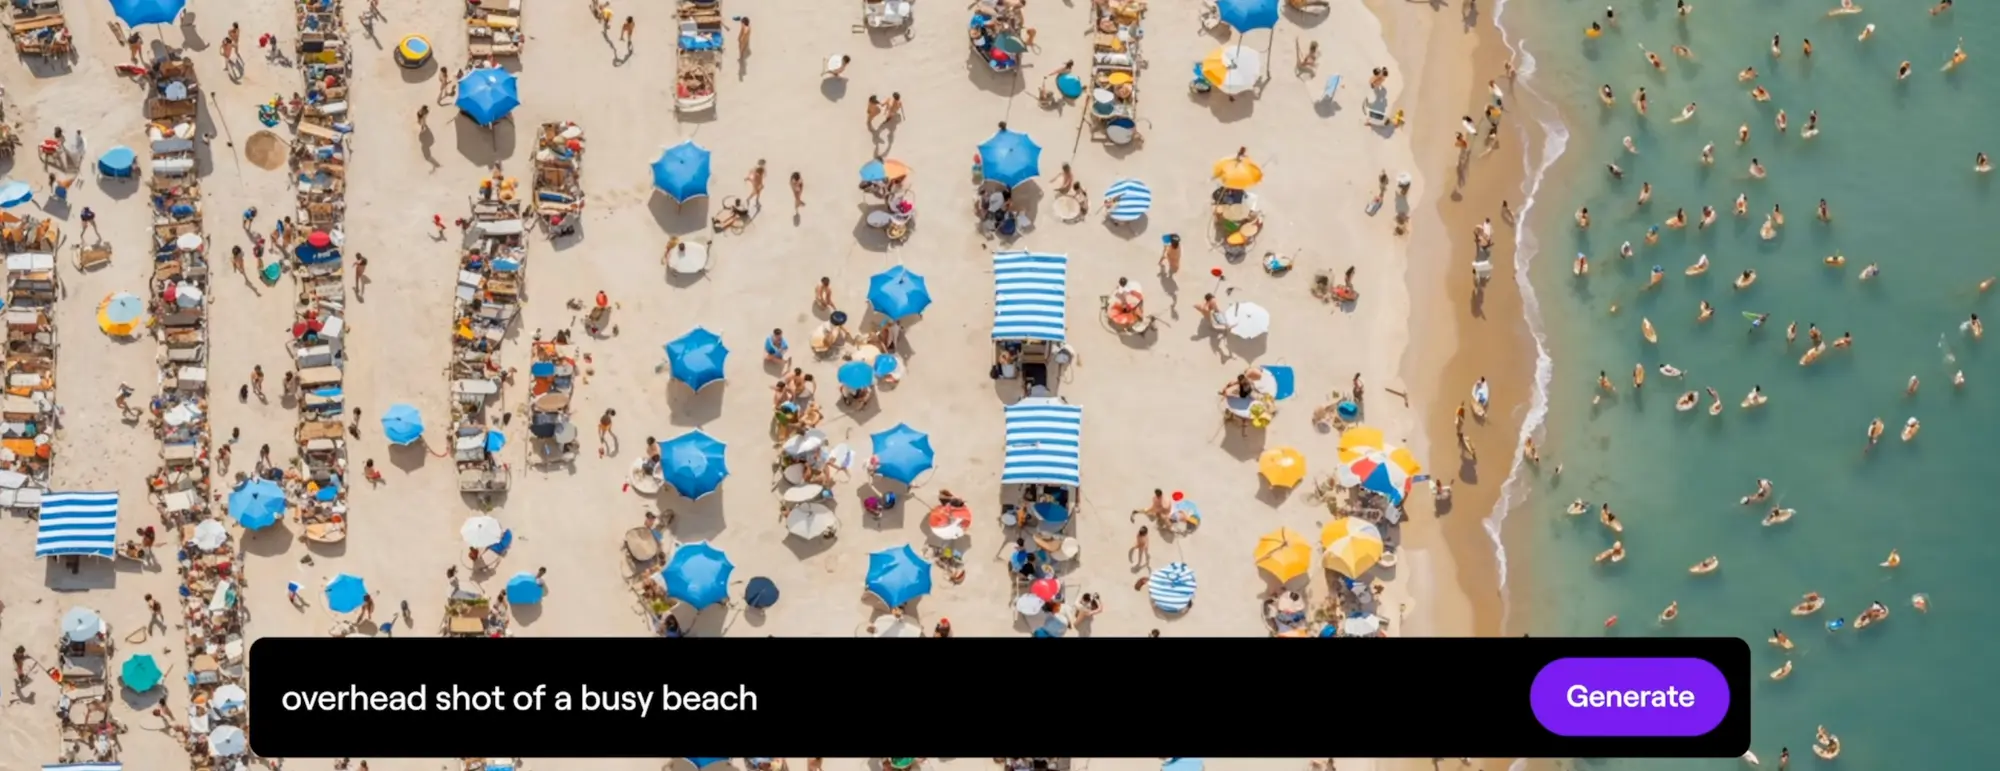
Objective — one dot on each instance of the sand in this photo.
(1151, 413)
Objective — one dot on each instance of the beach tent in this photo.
(1030, 296)
(78, 524)
(1044, 444)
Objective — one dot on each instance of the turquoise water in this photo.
(1895, 162)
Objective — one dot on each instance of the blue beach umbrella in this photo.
(117, 162)
(698, 575)
(1070, 86)
(344, 593)
(682, 172)
(761, 592)
(524, 589)
(488, 94)
(903, 453)
(141, 673)
(495, 440)
(898, 575)
(257, 504)
(856, 375)
(705, 762)
(696, 358)
(1010, 158)
(1247, 15)
(1128, 200)
(1181, 764)
(694, 464)
(897, 293)
(403, 424)
(14, 192)
(138, 12)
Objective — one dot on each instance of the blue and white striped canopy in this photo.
(1030, 296)
(1044, 444)
(1128, 200)
(1172, 587)
(78, 524)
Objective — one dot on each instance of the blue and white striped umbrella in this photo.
(1172, 587)
(1127, 200)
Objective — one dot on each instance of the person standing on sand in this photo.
(360, 272)
(604, 436)
(893, 111)
(1170, 255)
(742, 37)
(756, 180)
(1140, 554)
(257, 380)
(423, 112)
(90, 223)
(798, 192)
(874, 111)
(444, 83)
(823, 295)
(625, 32)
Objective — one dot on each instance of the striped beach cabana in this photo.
(78, 524)
(84, 767)
(1044, 444)
(1030, 296)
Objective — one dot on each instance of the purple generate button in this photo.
(1629, 697)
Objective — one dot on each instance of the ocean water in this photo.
(1895, 162)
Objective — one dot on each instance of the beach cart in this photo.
(994, 36)
(466, 614)
(887, 14)
(700, 43)
(40, 29)
(558, 199)
(1115, 63)
(493, 28)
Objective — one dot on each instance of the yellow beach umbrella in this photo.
(1359, 441)
(1238, 173)
(1233, 68)
(121, 314)
(1282, 467)
(1352, 546)
(1285, 554)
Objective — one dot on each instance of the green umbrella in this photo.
(902, 762)
(141, 673)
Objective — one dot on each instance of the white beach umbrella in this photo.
(227, 741)
(481, 532)
(229, 698)
(81, 624)
(187, 296)
(810, 520)
(188, 242)
(210, 535)
(1242, 68)
(1247, 320)
(1361, 626)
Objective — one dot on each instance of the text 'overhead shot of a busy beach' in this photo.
(381, 319)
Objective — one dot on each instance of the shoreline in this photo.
(1441, 234)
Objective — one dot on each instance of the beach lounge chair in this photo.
(1331, 84)
(1376, 116)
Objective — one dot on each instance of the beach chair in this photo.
(1332, 83)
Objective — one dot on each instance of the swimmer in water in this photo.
(1645, 192)
(1910, 429)
(1806, 47)
(1686, 113)
(1745, 279)
(1777, 47)
(1748, 74)
(1616, 173)
(1763, 491)
(1958, 57)
(1836, 260)
(1714, 401)
(1583, 218)
(1708, 154)
(1743, 134)
(1846, 7)
(1639, 100)
(1630, 147)
(1683, 52)
(1742, 204)
(1921, 602)
(1755, 398)
(1603, 384)
(1782, 122)
(1972, 326)
(1911, 388)
(1812, 125)
(1682, 8)
(1871, 271)
(1846, 339)
(1760, 94)
(1874, 431)
(1605, 93)
(1778, 214)
(1582, 265)
(1609, 519)
(1941, 7)
(1707, 312)
(1981, 164)
(1654, 59)
(1652, 235)
(1707, 217)
(1791, 332)
(1638, 376)
(1625, 250)
(1779, 639)
(1825, 212)
(1867, 32)
(1894, 559)
(1903, 70)
(1593, 31)
(1679, 220)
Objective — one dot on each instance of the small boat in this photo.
(1895, 559)
(1706, 566)
(1669, 370)
(1829, 748)
(1672, 612)
(1646, 328)
(1812, 355)
(1699, 267)
(1638, 376)
(1869, 617)
(1755, 399)
(1778, 517)
(1744, 281)
(1782, 672)
(1910, 429)
(1836, 260)
(1688, 401)
(1578, 506)
(1715, 402)
(1614, 554)
(1812, 603)
(1779, 639)
(1610, 520)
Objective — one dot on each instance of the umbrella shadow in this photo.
(1244, 445)
(1006, 84)
(1248, 350)
(678, 219)
(1309, 17)
(527, 615)
(1127, 230)
(805, 549)
(272, 541)
(872, 238)
(119, 188)
(694, 409)
(65, 575)
(834, 89)
(484, 145)
(1231, 109)
(410, 457)
(700, 520)
(889, 38)
(141, 701)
